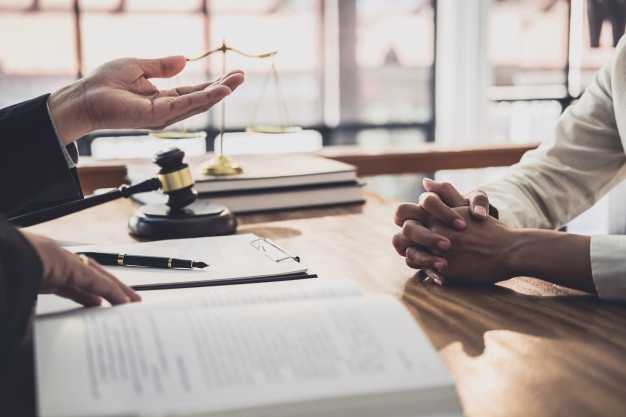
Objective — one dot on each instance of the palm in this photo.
(121, 96)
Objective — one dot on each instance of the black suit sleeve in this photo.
(34, 174)
(20, 276)
(33, 171)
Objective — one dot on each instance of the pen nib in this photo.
(199, 265)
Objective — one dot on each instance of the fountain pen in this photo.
(123, 259)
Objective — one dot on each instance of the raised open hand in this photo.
(119, 95)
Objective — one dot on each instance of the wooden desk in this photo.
(521, 348)
(426, 157)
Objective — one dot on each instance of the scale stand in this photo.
(222, 164)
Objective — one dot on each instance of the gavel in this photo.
(180, 217)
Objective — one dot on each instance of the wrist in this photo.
(518, 256)
(68, 112)
(553, 256)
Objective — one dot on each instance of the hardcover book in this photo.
(272, 199)
(260, 171)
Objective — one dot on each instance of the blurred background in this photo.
(372, 73)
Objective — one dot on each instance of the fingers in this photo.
(435, 276)
(162, 67)
(233, 80)
(417, 256)
(197, 97)
(168, 110)
(129, 292)
(91, 278)
(80, 296)
(235, 72)
(440, 199)
(414, 220)
(408, 211)
(430, 206)
(432, 203)
(418, 233)
(479, 204)
(237, 75)
(448, 194)
(400, 243)
(80, 279)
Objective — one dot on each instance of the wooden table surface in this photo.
(520, 348)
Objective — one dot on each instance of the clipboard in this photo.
(234, 259)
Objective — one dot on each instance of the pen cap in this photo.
(175, 178)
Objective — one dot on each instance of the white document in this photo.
(230, 258)
(244, 256)
(343, 356)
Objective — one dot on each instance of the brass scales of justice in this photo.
(222, 164)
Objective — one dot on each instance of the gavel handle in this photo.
(44, 215)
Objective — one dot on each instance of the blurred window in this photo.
(344, 67)
(542, 55)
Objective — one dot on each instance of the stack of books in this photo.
(268, 183)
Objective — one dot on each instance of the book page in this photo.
(218, 296)
(212, 360)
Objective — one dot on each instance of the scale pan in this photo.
(173, 134)
(273, 129)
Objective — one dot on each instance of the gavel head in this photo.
(175, 177)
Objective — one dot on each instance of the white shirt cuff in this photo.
(608, 266)
(71, 161)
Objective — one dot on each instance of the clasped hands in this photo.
(452, 237)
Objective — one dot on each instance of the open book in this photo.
(296, 348)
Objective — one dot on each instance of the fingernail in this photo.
(459, 224)
(443, 244)
(438, 281)
(480, 210)
(426, 179)
(438, 266)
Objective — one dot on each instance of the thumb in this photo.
(479, 204)
(162, 67)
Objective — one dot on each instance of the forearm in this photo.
(557, 257)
